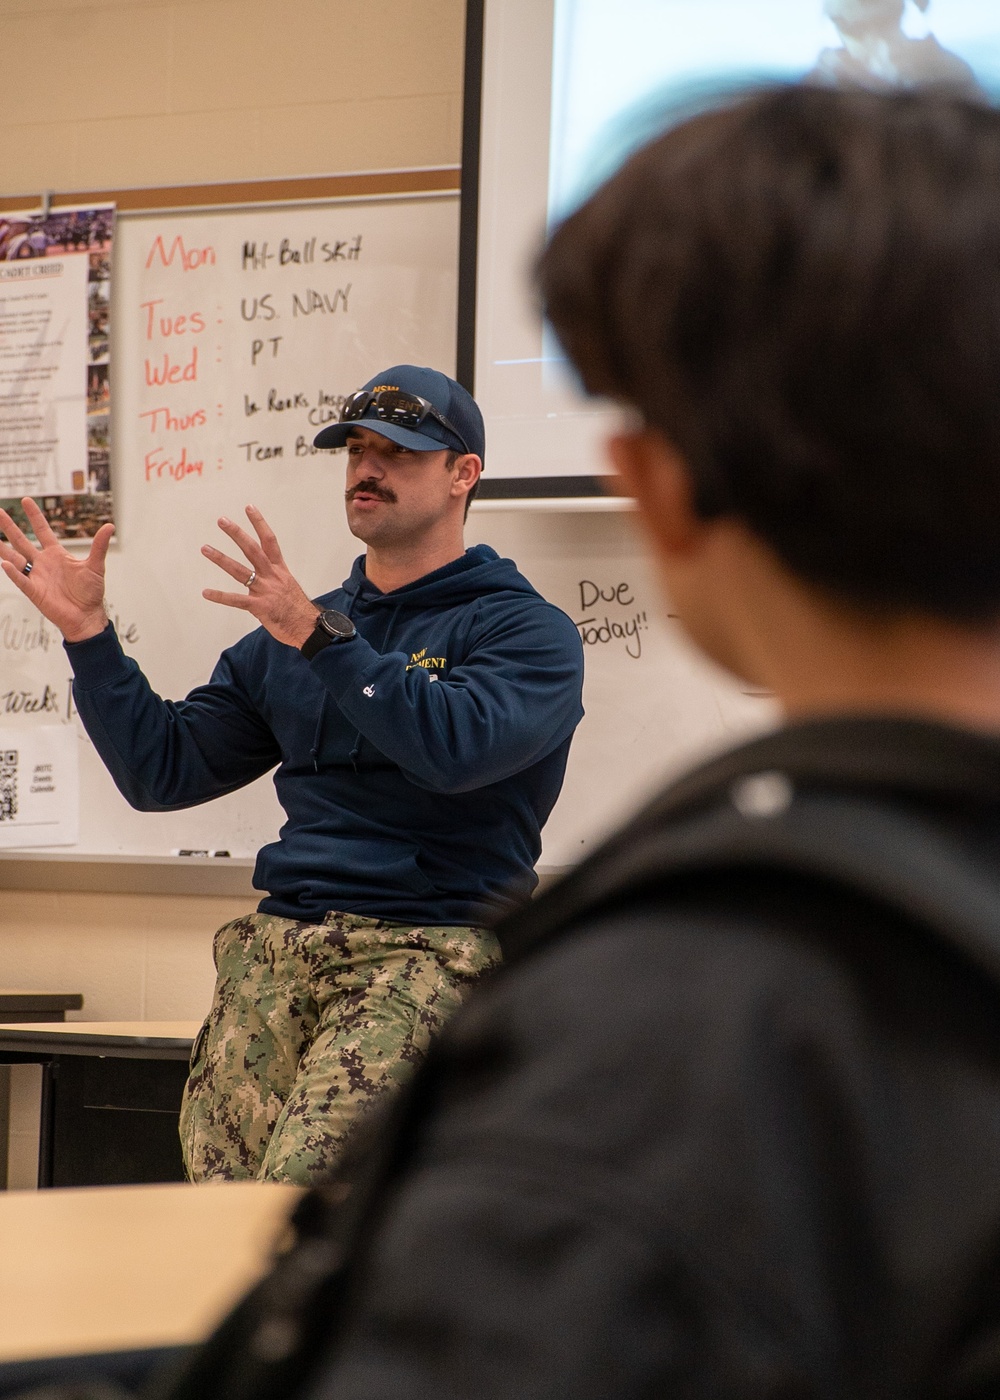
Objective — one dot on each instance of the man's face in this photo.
(394, 496)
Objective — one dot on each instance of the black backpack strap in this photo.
(882, 850)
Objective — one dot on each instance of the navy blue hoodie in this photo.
(416, 763)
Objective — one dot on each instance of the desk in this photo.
(17, 1005)
(121, 1268)
(111, 1093)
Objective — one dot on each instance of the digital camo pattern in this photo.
(309, 1024)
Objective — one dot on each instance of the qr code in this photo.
(8, 784)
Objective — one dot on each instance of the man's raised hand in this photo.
(272, 595)
(66, 590)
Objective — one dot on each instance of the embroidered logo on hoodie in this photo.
(427, 663)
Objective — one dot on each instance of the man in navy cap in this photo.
(419, 719)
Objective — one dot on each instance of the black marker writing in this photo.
(25, 634)
(592, 593)
(29, 702)
(311, 301)
(598, 632)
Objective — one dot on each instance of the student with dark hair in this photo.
(727, 1121)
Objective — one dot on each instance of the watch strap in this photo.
(321, 636)
(318, 639)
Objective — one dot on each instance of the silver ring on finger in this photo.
(27, 567)
(250, 580)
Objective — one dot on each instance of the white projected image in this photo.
(617, 68)
(571, 87)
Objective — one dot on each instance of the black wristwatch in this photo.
(330, 627)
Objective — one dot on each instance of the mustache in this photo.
(371, 488)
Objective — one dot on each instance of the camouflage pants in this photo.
(309, 1024)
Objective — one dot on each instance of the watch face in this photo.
(336, 623)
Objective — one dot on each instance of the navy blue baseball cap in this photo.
(446, 395)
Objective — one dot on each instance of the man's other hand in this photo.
(66, 590)
(273, 596)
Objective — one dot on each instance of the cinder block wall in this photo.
(161, 92)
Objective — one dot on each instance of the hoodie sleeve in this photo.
(163, 754)
(514, 697)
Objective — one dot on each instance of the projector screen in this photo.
(565, 90)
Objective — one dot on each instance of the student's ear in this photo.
(656, 475)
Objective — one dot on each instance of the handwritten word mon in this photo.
(189, 259)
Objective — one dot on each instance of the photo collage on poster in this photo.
(55, 379)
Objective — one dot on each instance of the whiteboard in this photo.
(652, 705)
(235, 334)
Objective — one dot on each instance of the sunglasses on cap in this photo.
(395, 406)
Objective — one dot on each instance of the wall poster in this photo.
(55, 366)
(39, 787)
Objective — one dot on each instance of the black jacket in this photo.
(722, 1127)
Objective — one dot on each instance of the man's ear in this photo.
(466, 471)
(656, 475)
